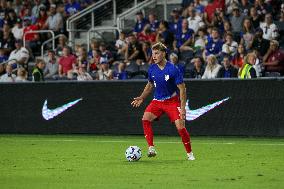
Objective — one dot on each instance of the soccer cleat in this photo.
(151, 151)
(190, 156)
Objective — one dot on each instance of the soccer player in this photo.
(169, 98)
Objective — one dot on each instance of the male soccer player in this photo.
(169, 98)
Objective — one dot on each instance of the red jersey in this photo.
(31, 36)
(66, 63)
(143, 37)
(276, 55)
(211, 8)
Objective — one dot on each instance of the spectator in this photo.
(200, 41)
(8, 76)
(175, 24)
(104, 73)
(26, 13)
(11, 18)
(238, 59)
(198, 69)
(212, 68)
(227, 71)
(120, 44)
(218, 20)
(42, 17)
(270, 30)
(55, 20)
(83, 75)
(37, 7)
(260, 44)
(229, 47)
(255, 18)
(32, 39)
(154, 23)
(147, 35)
(247, 71)
(94, 60)
(180, 65)
(94, 46)
(3, 56)
(273, 60)
(245, 6)
(214, 44)
(51, 67)
(247, 34)
(20, 55)
(199, 8)
(227, 27)
(237, 20)
(62, 42)
(134, 51)
(209, 11)
(72, 7)
(18, 30)
(7, 41)
(106, 55)
(194, 20)
(66, 62)
(38, 70)
(22, 75)
(140, 23)
(121, 74)
(164, 35)
(146, 47)
(262, 8)
(184, 38)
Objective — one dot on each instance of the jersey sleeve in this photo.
(177, 76)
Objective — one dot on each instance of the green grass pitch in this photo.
(78, 161)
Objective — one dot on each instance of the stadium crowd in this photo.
(205, 38)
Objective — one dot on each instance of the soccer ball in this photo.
(133, 153)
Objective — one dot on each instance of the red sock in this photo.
(148, 132)
(185, 139)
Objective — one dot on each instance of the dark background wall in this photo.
(256, 108)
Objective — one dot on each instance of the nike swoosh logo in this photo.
(48, 114)
(194, 114)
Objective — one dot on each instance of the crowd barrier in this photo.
(254, 108)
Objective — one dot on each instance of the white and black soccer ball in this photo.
(133, 153)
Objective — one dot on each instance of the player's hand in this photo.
(182, 113)
(137, 102)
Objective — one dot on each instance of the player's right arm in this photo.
(139, 100)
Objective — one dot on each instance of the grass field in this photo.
(77, 161)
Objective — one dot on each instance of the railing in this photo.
(40, 31)
(130, 12)
(47, 41)
(6, 62)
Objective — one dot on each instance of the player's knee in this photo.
(148, 117)
(179, 124)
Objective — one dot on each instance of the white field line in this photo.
(157, 142)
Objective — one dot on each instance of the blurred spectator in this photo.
(184, 38)
(175, 24)
(62, 42)
(20, 54)
(38, 70)
(212, 68)
(94, 46)
(8, 76)
(255, 18)
(18, 30)
(230, 4)
(227, 27)
(227, 71)
(37, 7)
(86, 3)
(121, 74)
(180, 65)
(3, 56)
(82, 58)
(42, 17)
(164, 35)
(120, 45)
(83, 75)
(7, 41)
(200, 40)
(247, 33)
(247, 71)
(273, 60)
(72, 7)
(199, 8)
(211, 8)
(229, 47)
(154, 23)
(259, 43)
(22, 75)
(237, 20)
(218, 20)
(198, 69)
(214, 44)
(66, 62)
(26, 13)
(281, 14)
(104, 73)
(51, 67)
(55, 20)
(238, 59)
(94, 60)
(147, 35)
(270, 30)
(32, 39)
(106, 55)
(11, 18)
(245, 6)
(262, 8)
(146, 47)
(134, 50)
(17, 6)
(194, 20)
(140, 22)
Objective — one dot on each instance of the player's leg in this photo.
(151, 113)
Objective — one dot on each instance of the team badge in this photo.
(167, 77)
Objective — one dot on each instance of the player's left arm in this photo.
(182, 93)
